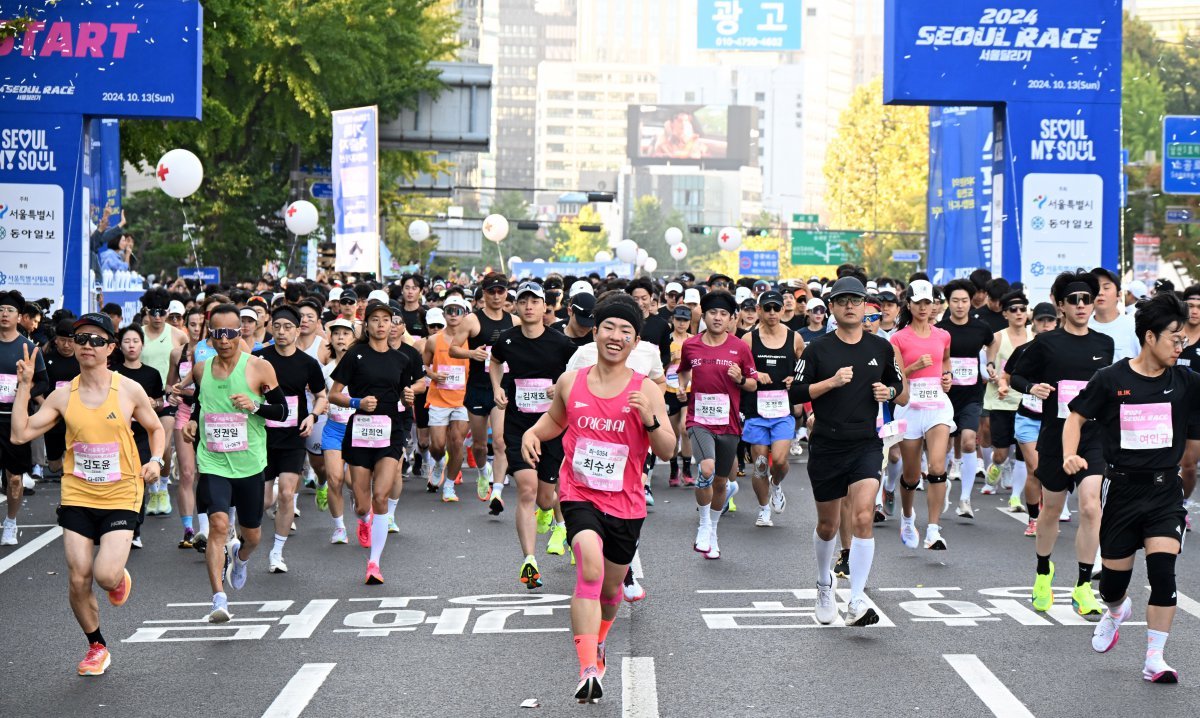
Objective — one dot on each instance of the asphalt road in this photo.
(453, 633)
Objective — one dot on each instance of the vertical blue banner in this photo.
(961, 150)
(356, 189)
(105, 169)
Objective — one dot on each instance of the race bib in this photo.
(293, 405)
(773, 404)
(185, 368)
(97, 463)
(371, 432)
(712, 409)
(456, 376)
(487, 363)
(926, 393)
(1146, 426)
(964, 371)
(225, 432)
(1068, 389)
(673, 376)
(61, 384)
(1032, 403)
(532, 396)
(600, 465)
(340, 414)
(8, 388)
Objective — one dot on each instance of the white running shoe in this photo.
(1108, 630)
(730, 491)
(275, 562)
(955, 471)
(986, 490)
(238, 570)
(339, 536)
(827, 601)
(965, 510)
(714, 550)
(9, 538)
(633, 591)
(858, 613)
(220, 610)
(778, 500)
(933, 538)
(764, 517)
(27, 482)
(1156, 669)
(701, 544)
(908, 531)
(1065, 516)
(797, 448)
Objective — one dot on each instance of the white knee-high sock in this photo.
(379, 534)
(862, 553)
(894, 470)
(823, 550)
(970, 462)
(1019, 474)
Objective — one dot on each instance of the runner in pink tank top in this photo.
(611, 417)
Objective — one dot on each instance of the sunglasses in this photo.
(817, 310)
(397, 320)
(437, 327)
(674, 295)
(347, 301)
(497, 290)
(1018, 308)
(454, 311)
(157, 312)
(1079, 298)
(771, 308)
(872, 317)
(224, 333)
(94, 341)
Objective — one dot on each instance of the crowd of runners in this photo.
(557, 396)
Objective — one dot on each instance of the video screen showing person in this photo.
(684, 132)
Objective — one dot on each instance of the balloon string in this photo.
(187, 233)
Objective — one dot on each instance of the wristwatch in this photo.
(158, 460)
(653, 426)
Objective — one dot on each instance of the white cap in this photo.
(435, 316)
(379, 295)
(339, 322)
(1138, 289)
(691, 296)
(200, 297)
(455, 301)
(872, 285)
(175, 307)
(335, 294)
(673, 287)
(814, 286)
(742, 294)
(248, 313)
(583, 286)
(813, 303)
(921, 290)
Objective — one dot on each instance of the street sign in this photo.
(812, 246)
(1182, 215)
(1145, 257)
(204, 275)
(758, 264)
(805, 218)
(1181, 155)
(321, 190)
(906, 255)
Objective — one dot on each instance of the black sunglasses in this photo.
(157, 312)
(454, 311)
(348, 301)
(224, 333)
(94, 341)
(497, 290)
(1079, 298)
(771, 308)
(1018, 308)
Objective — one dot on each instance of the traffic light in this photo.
(700, 229)
(757, 232)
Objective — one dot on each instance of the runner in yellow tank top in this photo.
(102, 481)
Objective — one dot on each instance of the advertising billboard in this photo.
(712, 136)
(748, 25)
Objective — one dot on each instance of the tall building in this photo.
(1172, 20)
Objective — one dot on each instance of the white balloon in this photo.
(678, 251)
(514, 260)
(495, 227)
(539, 260)
(603, 256)
(674, 236)
(418, 230)
(627, 250)
(642, 256)
(301, 217)
(729, 238)
(179, 173)
(650, 265)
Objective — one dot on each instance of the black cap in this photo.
(96, 319)
(348, 295)
(1044, 310)
(887, 295)
(286, 311)
(375, 305)
(847, 285)
(259, 300)
(12, 298)
(770, 297)
(1108, 274)
(497, 280)
(397, 309)
(682, 312)
(686, 277)
(582, 305)
(64, 328)
(719, 277)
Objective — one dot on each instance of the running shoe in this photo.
(136, 543)
(730, 491)
(827, 602)
(310, 481)
(200, 542)
(374, 577)
(954, 473)
(841, 567)
(96, 662)
(496, 507)
(673, 481)
(1108, 630)
(119, 595)
(714, 549)
(322, 498)
(544, 518)
(1031, 528)
(392, 527)
(188, 540)
(164, 503)
(797, 448)
(908, 532)
(993, 475)
(238, 569)
(649, 495)
(364, 532)
(430, 488)
(1083, 600)
(589, 689)
(964, 509)
(152, 504)
(688, 481)
(339, 536)
(275, 562)
(889, 501)
(1043, 590)
(1016, 505)
(880, 514)
(632, 589)
(778, 500)
(764, 518)
(987, 490)
(741, 472)
(1156, 669)
(530, 576)
(448, 493)
(703, 534)
(483, 482)
(859, 614)
(933, 538)
(557, 543)
(1065, 516)
(220, 609)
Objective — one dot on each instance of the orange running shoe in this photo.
(96, 661)
(119, 595)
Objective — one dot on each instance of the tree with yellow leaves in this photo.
(573, 244)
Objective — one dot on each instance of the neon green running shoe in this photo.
(322, 498)
(543, 520)
(557, 545)
(1043, 591)
(993, 475)
(1083, 600)
(530, 576)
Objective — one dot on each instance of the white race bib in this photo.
(456, 376)
(340, 414)
(673, 376)
(964, 371)
(225, 432)
(532, 395)
(773, 404)
(98, 463)
(8, 388)
(926, 393)
(600, 465)
(712, 409)
(1146, 426)
(293, 405)
(371, 432)
(1032, 403)
(1068, 389)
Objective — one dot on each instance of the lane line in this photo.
(1023, 518)
(295, 696)
(639, 697)
(1186, 604)
(994, 694)
(29, 548)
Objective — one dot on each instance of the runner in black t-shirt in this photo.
(411, 308)
(968, 337)
(578, 325)
(61, 368)
(131, 340)
(400, 340)
(1190, 358)
(1140, 406)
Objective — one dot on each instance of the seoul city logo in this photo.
(1040, 201)
(3, 279)
(1037, 269)
(3, 210)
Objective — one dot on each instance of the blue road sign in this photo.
(1182, 215)
(906, 255)
(321, 190)
(758, 264)
(1181, 155)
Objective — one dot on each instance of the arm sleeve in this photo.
(274, 407)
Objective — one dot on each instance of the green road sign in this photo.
(812, 246)
(805, 218)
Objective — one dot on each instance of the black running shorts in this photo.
(619, 536)
(1135, 510)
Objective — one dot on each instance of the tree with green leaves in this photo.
(648, 226)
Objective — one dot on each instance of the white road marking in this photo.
(295, 696)
(636, 566)
(639, 697)
(998, 699)
(1186, 604)
(29, 548)
(1023, 518)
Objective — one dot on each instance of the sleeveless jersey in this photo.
(770, 401)
(231, 443)
(452, 393)
(991, 399)
(157, 352)
(101, 467)
(489, 331)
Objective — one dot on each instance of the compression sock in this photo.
(970, 463)
(823, 550)
(1019, 474)
(585, 648)
(392, 504)
(862, 553)
(1035, 510)
(605, 625)
(379, 534)
(894, 470)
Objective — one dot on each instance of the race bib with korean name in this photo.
(293, 405)
(456, 376)
(712, 409)
(926, 393)
(224, 433)
(600, 465)
(8, 388)
(1146, 426)
(964, 371)
(340, 414)
(1032, 403)
(773, 404)
(1068, 389)
(532, 395)
(371, 432)
(97, 463)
